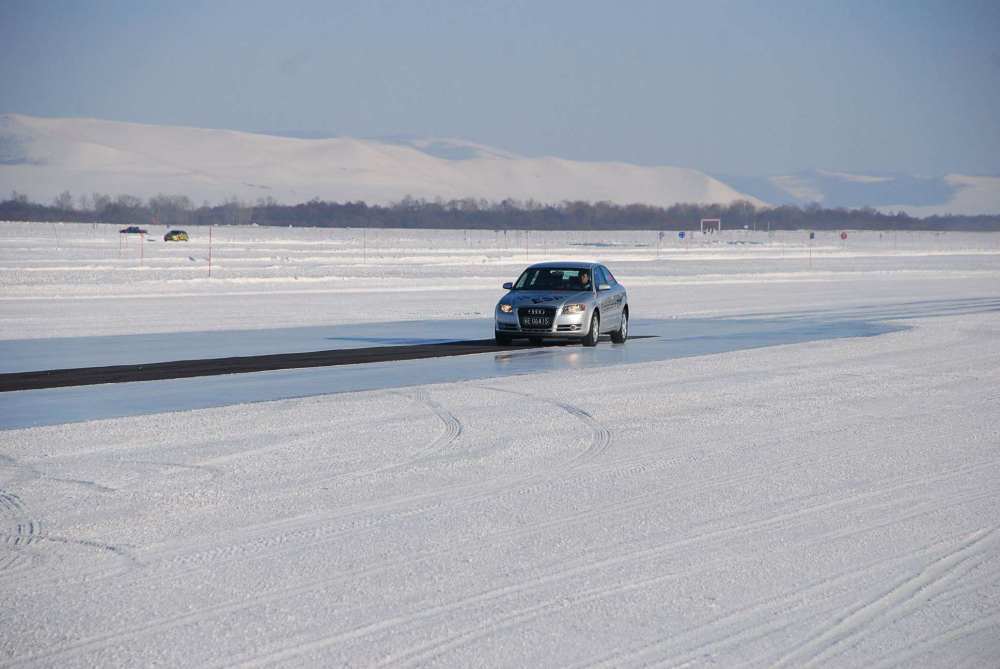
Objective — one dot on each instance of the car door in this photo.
(621, 297)
(608, 300)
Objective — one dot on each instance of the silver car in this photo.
(563, 300)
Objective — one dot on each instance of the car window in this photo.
(600, 275)
(554, 278)
(611, 279)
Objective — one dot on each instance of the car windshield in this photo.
(554, 278)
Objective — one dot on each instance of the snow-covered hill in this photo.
(916, 195)
(42, 157)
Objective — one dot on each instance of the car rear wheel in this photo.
(621, 334)
(595, 331)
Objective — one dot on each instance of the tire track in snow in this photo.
(431, 650)
(452, 425)
(290, 534)
(453, 429)
(439, 446)
(36, 473)
(285, 541)
(903, 597)
(950, 576)
(731, 629)
(290, 540)
(97, 642)
(214, 473)
(907, 657)
(583, 567)
(788, 613)
(194, 617)
(600, 436)
(426, 652)
(12, 509)
(100, 641)
(18, 531)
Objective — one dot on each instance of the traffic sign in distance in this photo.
(843, 235)
(681, 234)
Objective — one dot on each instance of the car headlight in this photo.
(574, 308)
(506, 308)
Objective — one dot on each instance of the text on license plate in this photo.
(540, 322)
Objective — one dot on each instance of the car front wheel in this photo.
(502, 339)
(595, 331)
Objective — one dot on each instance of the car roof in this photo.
(564, 263)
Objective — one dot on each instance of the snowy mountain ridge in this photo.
(44, 156)
(916, 195)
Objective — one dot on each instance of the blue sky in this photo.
(747, 88)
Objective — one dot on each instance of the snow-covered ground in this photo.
(83, 280)
(822, 501)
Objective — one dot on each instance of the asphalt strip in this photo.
(179, 369)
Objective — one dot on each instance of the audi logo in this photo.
(536, 312)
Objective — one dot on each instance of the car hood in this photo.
(529, 298)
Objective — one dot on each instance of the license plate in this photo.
(538, 322)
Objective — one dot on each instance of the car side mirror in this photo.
(508, 286)
(603, 286)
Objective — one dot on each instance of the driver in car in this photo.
(584, 280)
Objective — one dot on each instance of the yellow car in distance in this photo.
(175, 236)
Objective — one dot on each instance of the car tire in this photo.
(595, 331)
(621, 334)
(502, 339)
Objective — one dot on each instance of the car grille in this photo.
(536, 318)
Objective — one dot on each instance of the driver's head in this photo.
(584, 277)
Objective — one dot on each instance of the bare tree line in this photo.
(467, 213)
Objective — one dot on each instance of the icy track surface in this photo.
(821, 502)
